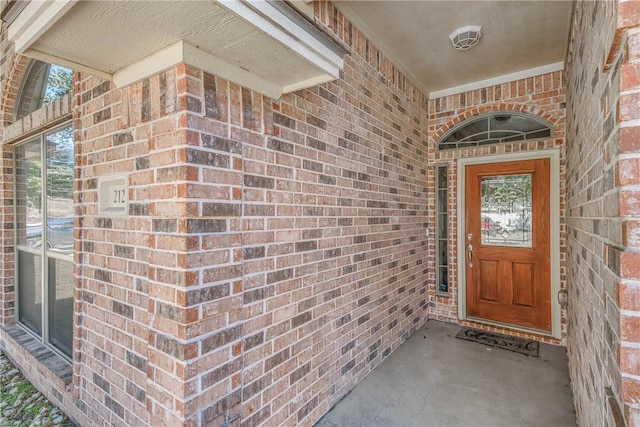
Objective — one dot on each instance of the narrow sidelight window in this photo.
(442, 230)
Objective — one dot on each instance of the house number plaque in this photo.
(113, 195)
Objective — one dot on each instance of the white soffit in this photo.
(261, 45)
(414, 35)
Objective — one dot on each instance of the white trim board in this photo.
(505, 78)
(36, 18)
(554, 230)
(182, 52)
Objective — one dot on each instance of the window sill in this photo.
(52, 361)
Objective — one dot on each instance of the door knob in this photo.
(470, 254)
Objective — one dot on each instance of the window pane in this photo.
(61, 304)
(442, 200)
(28, 167)
(58, 83)
(30, 290)
(42, 84)
(442, 226)
(470, 130)
(32, 90)
(494, 128)
(443, 254)
(60, 191)
(506, 210)
(443, 283)
(442, 177)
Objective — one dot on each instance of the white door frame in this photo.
(554, 193)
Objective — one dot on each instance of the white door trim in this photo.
(554, 193)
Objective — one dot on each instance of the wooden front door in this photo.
(507, 243)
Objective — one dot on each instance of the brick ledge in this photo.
(50, 360)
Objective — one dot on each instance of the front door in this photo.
(507, 243)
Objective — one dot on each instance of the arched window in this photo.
(44, 213)
(494, 128)
(41, 85)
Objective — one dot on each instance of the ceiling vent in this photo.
(466, 37)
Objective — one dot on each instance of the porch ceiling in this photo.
(264, 46)
(517, 36)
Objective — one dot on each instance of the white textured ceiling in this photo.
(518, 35)
(136, 29)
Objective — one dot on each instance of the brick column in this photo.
(7, 264)
(8, 90)
(627, 179)
(211, 303)
(195, 270)
(136, 323)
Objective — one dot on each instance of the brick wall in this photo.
(272, 256)
(602, 212)
(542, 96)
(118, 131)
(322, 195)
(52, 377)
(627, 179)
(273, 252)
(7, 294)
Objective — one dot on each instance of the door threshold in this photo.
(537, 334)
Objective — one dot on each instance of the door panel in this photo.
(489, 280)
(507, 216)
(523, 284)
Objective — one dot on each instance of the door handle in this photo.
(470, 254)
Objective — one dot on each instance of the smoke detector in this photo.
(466, 37)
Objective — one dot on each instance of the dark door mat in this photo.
(505, 342)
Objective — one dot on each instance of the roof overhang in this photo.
(266, 46)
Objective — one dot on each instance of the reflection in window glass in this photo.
(28, 167)
(61, 304)
(30, 290)
(42, 84)
(506, 210)
(60, 190)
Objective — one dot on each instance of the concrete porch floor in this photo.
(435, 379)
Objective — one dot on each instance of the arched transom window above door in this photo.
(495, 127)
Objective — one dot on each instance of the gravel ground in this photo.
(21, 405)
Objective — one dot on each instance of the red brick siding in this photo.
(132, 267)
(12, 70)
(597, 182)
(322, 265)
(627, 178)
(274, 251)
